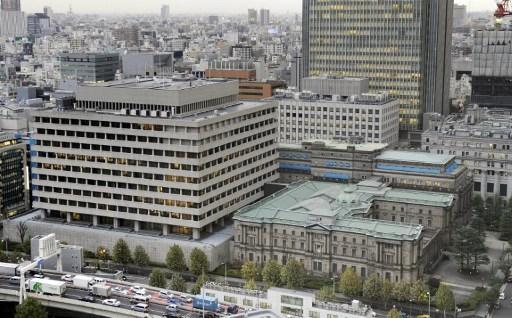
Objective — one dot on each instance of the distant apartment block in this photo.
(89, 67)
(167, 156)
(252, 16)
(242, 52)
(252, 90)
(148, 64)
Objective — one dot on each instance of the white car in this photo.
(120, 290)
(166, 294)
(111, 302)
(502, 296)
(40, 276)
(138, 290)
(67, 278)
(171, 307)
(187, 299)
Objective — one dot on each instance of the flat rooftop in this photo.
(332, 144)
(165, 84)
(335, 206)
(415, 157)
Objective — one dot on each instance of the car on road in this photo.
(171, 307)
(140, 298)
(171, 315)
(140, 307)
(39, 275)
(67, 278)
(88, 299)
(232, 309)
(138, 290)
(187, 299)
(111, 302)
(15, 280)
(166, 294)
(502, 296)
(509, 279)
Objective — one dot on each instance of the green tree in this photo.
(477, 203)
(121, 253)
(419, 292)
(201, 280)
(393, 313)
(471, 248)
(249, 271)
(326, 293)
(506, 224)
(478, 224)
(387, 292)
(157, 279)
(402, 291)
(177, 283)
(31, 308)
(175, 259)
(198, 262)
(350, 283)
(272, 273)
(293, 274)
(372, 287)
(140, 257)
(444, 299)
(250, 284)
(102, 253)
(3, 257)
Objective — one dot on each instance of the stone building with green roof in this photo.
(331, 226)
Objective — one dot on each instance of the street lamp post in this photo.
(428, 293)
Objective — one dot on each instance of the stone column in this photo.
(165, 229)
(221, 221)
(136, 226)
(196, 234)
(116, 223)
(94, 220)
(210, 228)
(68, 217)
(43, 214)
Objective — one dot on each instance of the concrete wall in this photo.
(217, 251)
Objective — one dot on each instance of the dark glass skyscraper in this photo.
(11, 5)
(402, 46)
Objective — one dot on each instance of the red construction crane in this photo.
(504, 9)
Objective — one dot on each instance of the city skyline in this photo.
(209, 7)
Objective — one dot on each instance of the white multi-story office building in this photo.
(166, 156)
(305, 116)
(482, 140)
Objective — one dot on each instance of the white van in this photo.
(98, 280)
(140, 299)
(140, 307)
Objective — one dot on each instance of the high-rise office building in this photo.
(166, 156)
(12, 20)
(165, 12)
(460, 17)
(402, 47)
(252, 16)
(297, 70)
(13, 167)
(492, 68)
(10, 5)
(264, 16)
(38, 24)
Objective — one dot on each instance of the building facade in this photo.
(252, 16)
(148, 64)
(344, 162)
(12, 20)
(481, 139)
(165, 12)
(306, 116)
(264, 16)
(252, 90)
(10, 5)
(165, 156)
(329, 227)
(403, 48)
(491, 80)
(285, 302)
(89, 67)
(38, 24)
(14, 195)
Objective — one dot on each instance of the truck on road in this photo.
(101, 290)
(82, 281)
(9, 269)
(205, 302)
(46, 286)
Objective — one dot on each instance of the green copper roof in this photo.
(340, 207)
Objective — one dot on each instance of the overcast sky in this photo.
(190, 6)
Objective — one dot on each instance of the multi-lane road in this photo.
(121, 292)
